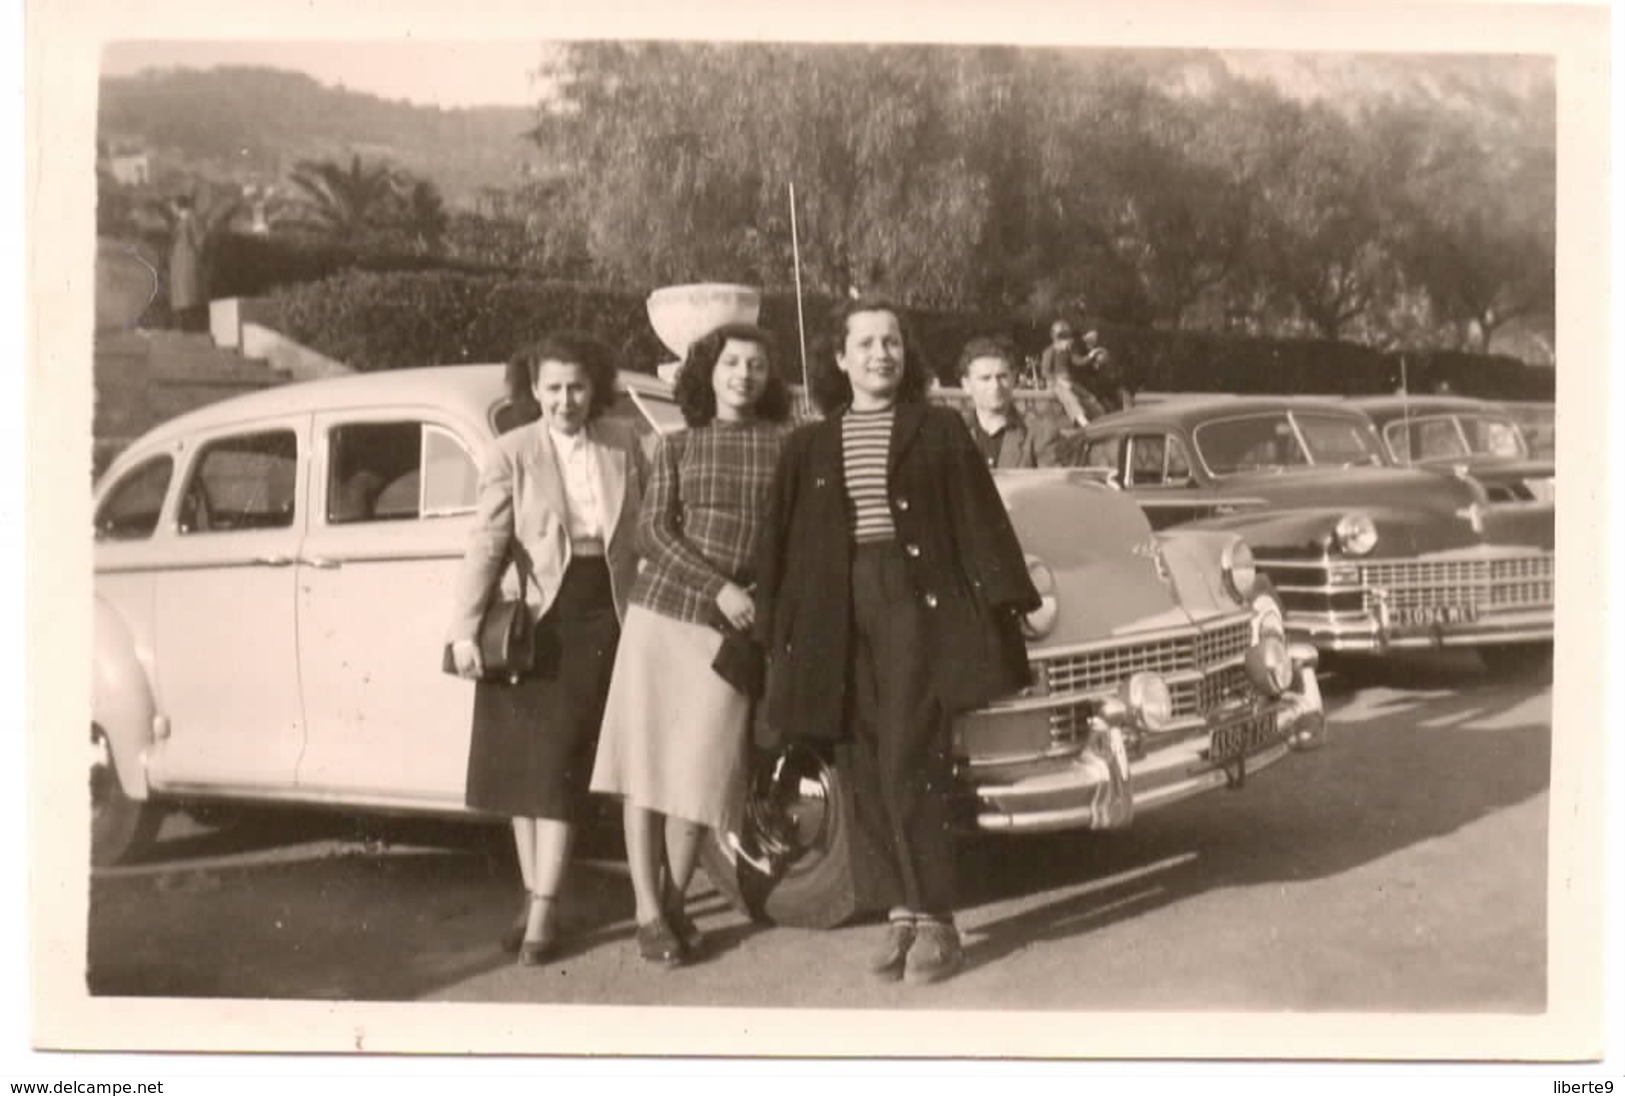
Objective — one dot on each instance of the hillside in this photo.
(247, 123)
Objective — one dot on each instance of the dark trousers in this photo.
(900, 762)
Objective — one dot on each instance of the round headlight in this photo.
(1240, 573)
(1041, 621)
(1149, 702)
(1356, 533)
(1269, 666)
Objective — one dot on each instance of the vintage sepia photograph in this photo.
(959, 529)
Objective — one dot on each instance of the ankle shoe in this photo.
(935, 954)
(887, 960)
(687, 932)
(657, 943)
(535, 952)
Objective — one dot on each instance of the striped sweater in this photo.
(865, 444)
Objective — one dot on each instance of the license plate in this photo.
(1429, 616)
(1241, 738)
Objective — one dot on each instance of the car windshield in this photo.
(1449, 437)
(1276, 439)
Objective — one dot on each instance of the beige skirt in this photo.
(673, 738)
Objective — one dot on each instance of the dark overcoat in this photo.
(965, 561)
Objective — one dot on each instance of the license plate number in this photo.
(1241, 738)
(1429, 616)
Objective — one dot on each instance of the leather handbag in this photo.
(742, 662)
(506, 640)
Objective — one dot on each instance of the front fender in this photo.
(121, 702)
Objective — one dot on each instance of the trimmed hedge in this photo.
(394, 319)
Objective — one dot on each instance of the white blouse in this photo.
(578, 459)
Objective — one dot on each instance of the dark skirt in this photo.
(533, 743)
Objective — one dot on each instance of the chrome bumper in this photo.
(1076, 794)
(1366, 631)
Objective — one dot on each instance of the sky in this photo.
(441, 73)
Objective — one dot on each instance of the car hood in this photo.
(1355, 488)
(1111, 578)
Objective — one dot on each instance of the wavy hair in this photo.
(832, 391)
(985, 346)
(697, 399)
(576, 348)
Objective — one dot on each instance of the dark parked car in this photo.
(1365, 556)
(1456, 432)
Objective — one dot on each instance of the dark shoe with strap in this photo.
(688, 933)
(534, 951)
(658, 944)
(887, 960)
(935, 954)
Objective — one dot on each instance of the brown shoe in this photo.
(887, 961)
(935, 954)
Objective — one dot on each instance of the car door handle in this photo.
(273, 561)
(322, 562)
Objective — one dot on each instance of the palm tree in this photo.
(343, 203)
(425, 216)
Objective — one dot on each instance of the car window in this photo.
(1494, 436)
(1179, 461)
(242, 482)
(396, 471)
(1337, 439)
(1433, 437)
(1248, 443)
(130, 508)
(1147, 453)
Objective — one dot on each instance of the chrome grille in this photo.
(1224, 643)
(1091, 671)
(1519, 582)
(1223, 686)
(1198, 653)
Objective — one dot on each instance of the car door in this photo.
(227, 670)
(393, 496)
(1157, 470)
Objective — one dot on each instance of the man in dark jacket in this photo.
(890, 585)
(1003, 434)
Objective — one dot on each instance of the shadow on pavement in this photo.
(1389, 781)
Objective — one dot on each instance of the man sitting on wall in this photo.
(987, 372)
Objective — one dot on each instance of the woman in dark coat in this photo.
(890, 590)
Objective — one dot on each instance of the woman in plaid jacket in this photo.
(672, 741)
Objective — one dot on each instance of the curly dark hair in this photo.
(986, 346)
(576, 348)
(832, 391)
(697, 400)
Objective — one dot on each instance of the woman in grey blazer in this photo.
(559, 499)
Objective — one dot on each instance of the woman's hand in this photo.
(465, 655)
(737, 606)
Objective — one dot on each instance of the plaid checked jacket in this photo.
(702, 516)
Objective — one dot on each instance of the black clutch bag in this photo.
(506, 640)
(741, 662)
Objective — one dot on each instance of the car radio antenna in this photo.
(1405, 409)
(801, 319)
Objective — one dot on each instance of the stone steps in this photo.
(143, 378)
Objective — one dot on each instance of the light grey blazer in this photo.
(521, 501)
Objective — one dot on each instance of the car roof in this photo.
(1393, 407)
(472, 389)
(1187, 411)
